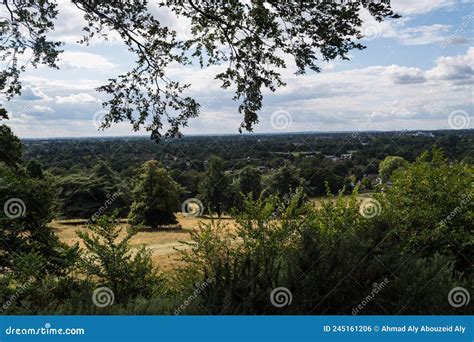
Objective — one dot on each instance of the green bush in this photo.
(109, 261)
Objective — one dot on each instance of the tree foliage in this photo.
(28, 203)
(101, 190)
(215, 186)
(250, 180)
(430, 206)
(109, 259)
(12, 149)
(389, 165)
(250, 39)
(155, 196)
(284, 181)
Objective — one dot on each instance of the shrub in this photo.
(243, 267)
(109, 261)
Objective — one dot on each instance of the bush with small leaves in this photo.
(110, 261)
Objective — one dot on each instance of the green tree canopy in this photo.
(389, 165)
(250, 181)
(109, 259)
(84, 194)
(11, 147)
(27, 202)
(430, 207)
(215, 186)
(284, 181)
(155, 196)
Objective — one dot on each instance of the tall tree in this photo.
(27, 202)
(389, 165)
(250, 181)
(100, 191)
(155, 196)
(253, 38)
(11, 147)
(284, 181)
(215, 187)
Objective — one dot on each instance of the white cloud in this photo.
(84, 60)
(404, 75)
(40, 109)
(394, 96)
(454, 68)
(420, 6)
(422, 35)
(76, 98)
(69, 24)
(403, 30)
(31, 93)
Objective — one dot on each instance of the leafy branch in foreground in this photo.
(250, 39)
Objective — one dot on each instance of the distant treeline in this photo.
(87, 171)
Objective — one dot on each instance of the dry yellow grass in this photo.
(162, 243)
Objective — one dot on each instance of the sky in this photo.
(416, 74)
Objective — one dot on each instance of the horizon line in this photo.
(247, 134)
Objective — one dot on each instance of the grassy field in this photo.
(163, 243)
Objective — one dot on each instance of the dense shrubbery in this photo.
(330, 259)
